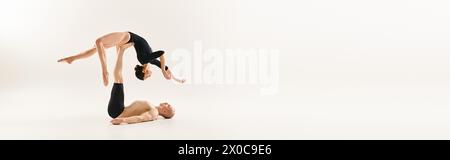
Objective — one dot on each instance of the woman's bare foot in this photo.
(68, 60)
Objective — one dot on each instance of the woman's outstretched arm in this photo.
(163, 67)
(167, 74)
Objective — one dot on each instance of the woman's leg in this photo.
(107, 41)
(82, 55)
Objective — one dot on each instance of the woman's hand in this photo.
(180, 80)
(168, 75)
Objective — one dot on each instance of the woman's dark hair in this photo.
(138, 72)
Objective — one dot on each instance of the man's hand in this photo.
(117, 121)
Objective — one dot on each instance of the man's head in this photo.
(142, 72)
(166, 110)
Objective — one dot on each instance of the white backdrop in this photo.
(348, 69)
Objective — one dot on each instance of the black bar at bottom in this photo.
(212, 149)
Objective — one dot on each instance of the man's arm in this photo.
(144, 117)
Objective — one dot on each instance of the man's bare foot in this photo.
(68, 60)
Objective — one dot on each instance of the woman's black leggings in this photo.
(116, 106)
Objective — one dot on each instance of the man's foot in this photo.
(68, 60)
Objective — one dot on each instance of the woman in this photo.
(138, 111)
(145, 55)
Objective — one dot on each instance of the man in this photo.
(138, 111)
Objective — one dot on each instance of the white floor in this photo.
(384, 112)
